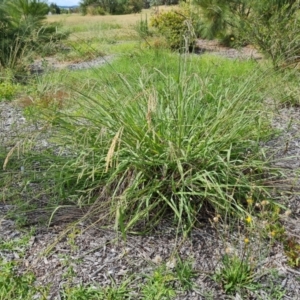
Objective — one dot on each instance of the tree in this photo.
(25, 15)
(227, 17)
(271, 25)
(135, 6)
(54, 8)
(275, 30)
(114, 7)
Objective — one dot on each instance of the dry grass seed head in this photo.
(152, 103)
(9, 154)
(111, 150)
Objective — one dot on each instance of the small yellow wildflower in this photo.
(249, 201)
(246, 240)
(273, 233)
(248, 219)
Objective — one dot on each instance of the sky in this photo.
(65, 2)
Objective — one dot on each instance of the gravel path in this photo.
(39, 66)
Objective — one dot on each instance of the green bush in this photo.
(95, 10)
(278, 35)
(114, 7)
(272, 26)
(7, 90)
(176, 27)
(23, 30)
(135, 6)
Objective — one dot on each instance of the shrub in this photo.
(135, 6)
(272, 26)
(24, 31)
(115, 7)
(176, 27)
(7, 89)
(278, 35)
(95, 10)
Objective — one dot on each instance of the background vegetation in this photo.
(272, 26)
(24, 31)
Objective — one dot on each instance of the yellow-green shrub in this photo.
(176, 27)
(95, 10)
(7, 90)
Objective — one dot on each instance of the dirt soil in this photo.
(98, 256)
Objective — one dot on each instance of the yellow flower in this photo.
(248, 219)
(249, 201)
(246, 240)
(273, 233)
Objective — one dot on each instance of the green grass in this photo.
(158, 133)
(236, 274)
(8, 89)
(94, 27)
(160, 284)
(14, 286)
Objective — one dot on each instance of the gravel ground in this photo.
(98, 255)
(39, 66)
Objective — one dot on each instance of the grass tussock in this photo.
(172, 135)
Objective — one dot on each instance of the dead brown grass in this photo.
(58, 98)
(123, 20)
(111, 28)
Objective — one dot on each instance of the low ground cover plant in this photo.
(7, 90)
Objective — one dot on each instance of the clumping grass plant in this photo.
(236, 274)
(173, 135)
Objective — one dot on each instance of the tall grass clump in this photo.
(172, 137)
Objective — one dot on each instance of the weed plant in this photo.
(236, 274)
(14, 285)
(175, 134)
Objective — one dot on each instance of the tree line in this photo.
(116, 7)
